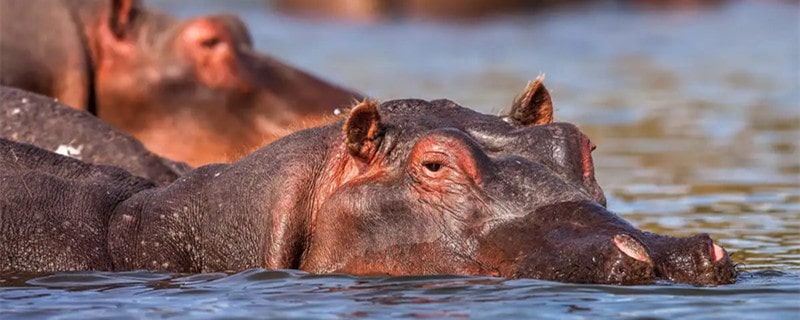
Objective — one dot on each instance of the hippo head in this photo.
(196, 90)
(421, 187)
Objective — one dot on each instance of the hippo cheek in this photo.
(696, 260)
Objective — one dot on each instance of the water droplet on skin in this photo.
(69, 151)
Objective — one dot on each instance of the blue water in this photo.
(696, 115)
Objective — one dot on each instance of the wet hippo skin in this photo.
(402, 187)
(191, 90)
(54, 210)
(39, 120)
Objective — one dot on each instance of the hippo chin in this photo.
(191, 90)
(404, 187)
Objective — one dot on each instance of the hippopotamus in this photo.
(191, 90)
(41, 121)
(373, 10)
(395, 188)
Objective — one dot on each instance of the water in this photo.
(294, 294)
(697, 120)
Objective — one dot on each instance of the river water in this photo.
(696, 115)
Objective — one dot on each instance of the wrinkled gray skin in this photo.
(410, 187)
(54, 210)
(38, 120)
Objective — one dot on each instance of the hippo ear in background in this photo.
(122, 16)
(533, 106)
(361, 130)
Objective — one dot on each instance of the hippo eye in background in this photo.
(210, 42)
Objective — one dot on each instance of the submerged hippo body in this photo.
(407, 187)
(38, 120)
(193, 91)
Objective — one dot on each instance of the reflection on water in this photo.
(697, 120)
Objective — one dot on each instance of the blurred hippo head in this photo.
(196, 90)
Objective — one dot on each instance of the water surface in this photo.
(697, 120)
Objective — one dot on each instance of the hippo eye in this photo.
(210, 42)
(432, 166)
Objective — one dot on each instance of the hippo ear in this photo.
(533, 106)
(361, 130)
(123, 13)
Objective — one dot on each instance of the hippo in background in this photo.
(376, 10)
(191, 90)
(399, 188)
(41, 121)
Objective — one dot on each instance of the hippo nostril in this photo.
(717, 252)
(632, 247)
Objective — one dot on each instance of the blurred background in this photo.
(694, 105)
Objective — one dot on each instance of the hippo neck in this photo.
(288, 172)
(93, 18)
(85, 14)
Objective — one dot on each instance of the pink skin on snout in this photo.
(717, 252)
(635, 250)
(631, 247)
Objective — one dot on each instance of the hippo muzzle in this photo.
(583, 242)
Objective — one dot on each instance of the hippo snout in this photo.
(619, 259)
(696, 260)
(583, 242)
(625, 259)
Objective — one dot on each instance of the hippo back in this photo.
(43, 122)
(54, 210)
